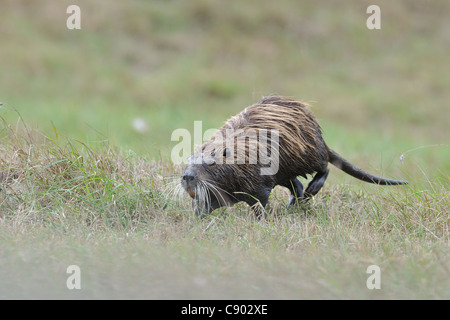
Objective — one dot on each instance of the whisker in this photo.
(207, 197)
(211, 182)
(174, 190)
(217, 191)
(200, 196)
(170, 187)
(217, 188)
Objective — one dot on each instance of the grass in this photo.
(109, 212)
(79, 185)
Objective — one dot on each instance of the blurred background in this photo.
(137, 70)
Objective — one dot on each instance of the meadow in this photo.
(81, 184)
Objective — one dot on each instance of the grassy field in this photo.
(80, 185)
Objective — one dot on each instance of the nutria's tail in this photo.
(356, 172)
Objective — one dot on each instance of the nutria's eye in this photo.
(226, 152)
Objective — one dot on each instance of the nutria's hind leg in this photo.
(296, 188)
(316, 184)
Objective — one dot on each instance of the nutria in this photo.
(224, 170)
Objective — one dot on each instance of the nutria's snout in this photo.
(188, 177)
(189, 182)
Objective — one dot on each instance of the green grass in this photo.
(80, 186)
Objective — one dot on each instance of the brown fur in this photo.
(212, 182)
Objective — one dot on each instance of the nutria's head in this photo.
(208, 179)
